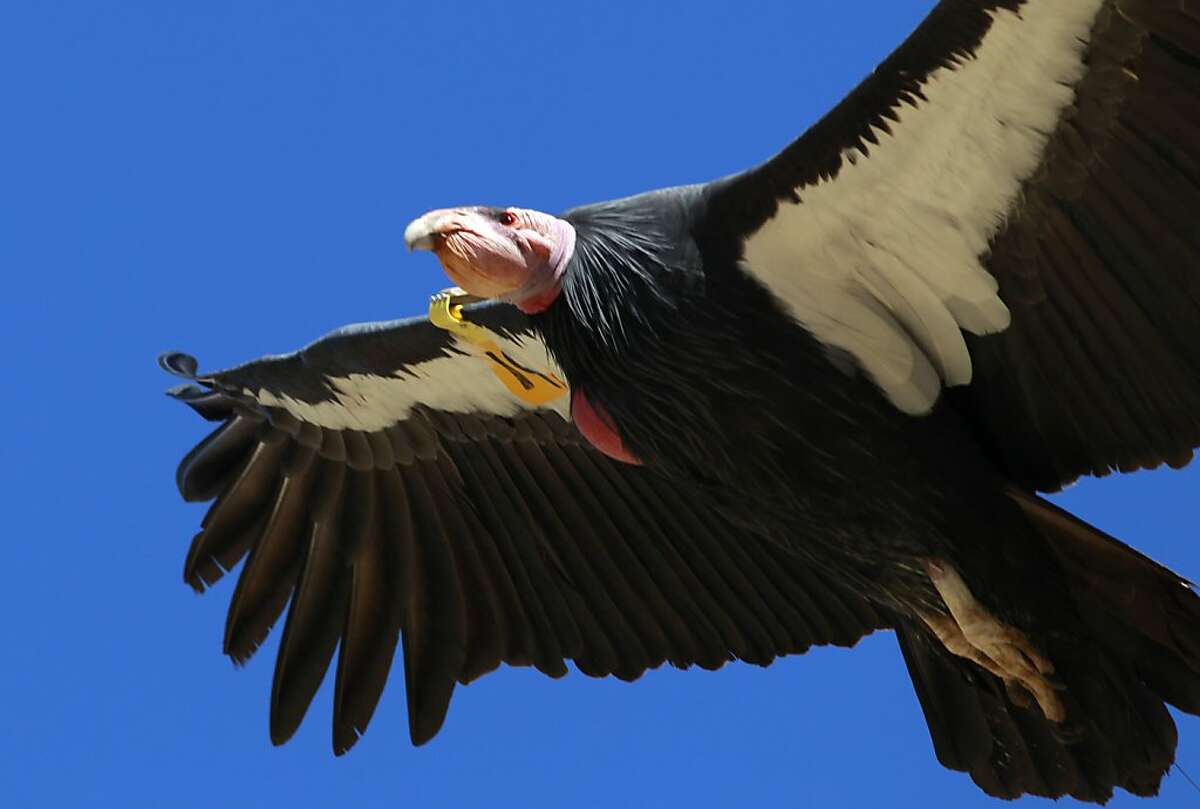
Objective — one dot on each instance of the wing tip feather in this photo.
(178, 363)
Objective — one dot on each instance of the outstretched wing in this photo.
(388, 486)
(1008, 205)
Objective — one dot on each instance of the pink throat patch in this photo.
(540, 301)
(598, 428)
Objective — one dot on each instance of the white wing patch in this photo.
(458, 383)
(884, 260)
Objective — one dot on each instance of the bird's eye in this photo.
(508, 218)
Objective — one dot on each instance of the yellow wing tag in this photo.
(528, 385)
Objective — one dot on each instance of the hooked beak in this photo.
(420, 232)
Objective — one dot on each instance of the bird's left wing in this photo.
(1006, 205)
(389, 484)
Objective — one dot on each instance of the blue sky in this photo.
(233, 179)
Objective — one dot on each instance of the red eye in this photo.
(508, 218)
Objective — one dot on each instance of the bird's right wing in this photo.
(388, 485)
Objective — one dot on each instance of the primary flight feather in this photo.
(788, 407)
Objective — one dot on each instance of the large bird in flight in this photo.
(788, 407)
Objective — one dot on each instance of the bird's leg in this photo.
(971, 632)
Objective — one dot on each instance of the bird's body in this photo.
(788, 439)
(708, 382)
(783, 408)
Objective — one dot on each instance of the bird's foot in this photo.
(971, 632)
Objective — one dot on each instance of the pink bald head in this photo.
(513, 254)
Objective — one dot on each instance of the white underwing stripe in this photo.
(457, 383)
(885, 259)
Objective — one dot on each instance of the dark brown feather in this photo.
(692, 631)
(206, 470)
(592, 572)
(704, 547)
(314, 620)
(435, 618)
(549, 640)
(236, 518)
(1100, 368)
(486, 627)
(274, 563)
(371, 628)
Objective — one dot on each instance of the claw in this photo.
(973, 633)
(1018, 694)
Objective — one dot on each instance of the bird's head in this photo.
(512, 254)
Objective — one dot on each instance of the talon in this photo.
(973, 633)
(1018, 694)
(1054, 683)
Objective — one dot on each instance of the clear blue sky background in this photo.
(233, 178)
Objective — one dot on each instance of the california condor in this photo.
(788, 407)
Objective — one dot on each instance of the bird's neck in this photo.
(545, 283)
